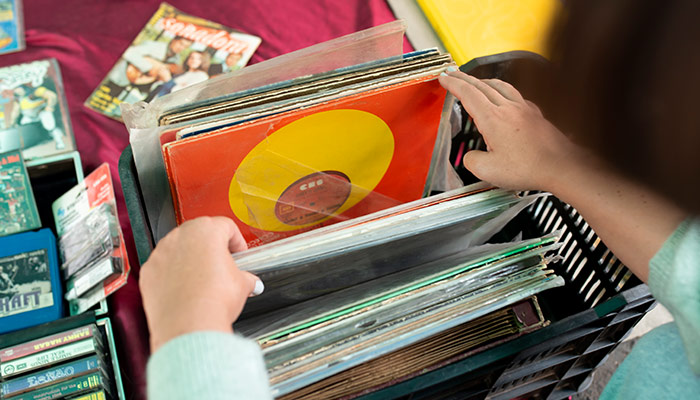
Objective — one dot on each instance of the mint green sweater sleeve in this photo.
(674, 280)
(665, 363)
(207, 365)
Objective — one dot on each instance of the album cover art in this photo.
(173, 51)
(25, 282)
(11, 26)
(34, 116)
(30, 287)
(296, 171)
(18, 211)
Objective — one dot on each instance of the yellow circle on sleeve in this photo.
(310, 170)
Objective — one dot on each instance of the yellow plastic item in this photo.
(477, 28)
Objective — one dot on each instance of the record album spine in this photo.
(48, 342)
(46, 358)
(52, 376)
(72, 387)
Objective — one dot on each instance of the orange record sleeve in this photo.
(296, 171)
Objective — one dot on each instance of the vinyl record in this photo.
(310, 170)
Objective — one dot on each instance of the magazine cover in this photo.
(18, 210)
(33, 112)
(11, 26)
(174, 50)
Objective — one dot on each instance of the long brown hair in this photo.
(626, 83)
(204, 65)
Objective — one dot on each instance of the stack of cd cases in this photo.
(73, 364)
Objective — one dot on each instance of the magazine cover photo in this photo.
(33, 111)
(173, 51)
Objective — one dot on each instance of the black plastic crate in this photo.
(595, 310)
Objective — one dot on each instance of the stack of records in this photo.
(360, 250)
(69, 364)
(313, 149)
(327, 174)
(346, 294)
(310, 152)
(429, 354)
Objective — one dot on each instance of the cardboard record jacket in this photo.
(291, 172)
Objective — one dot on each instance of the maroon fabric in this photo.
(88, 36)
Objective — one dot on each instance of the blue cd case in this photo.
(30, 285)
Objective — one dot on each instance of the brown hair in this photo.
(626, 84)
(206, 61)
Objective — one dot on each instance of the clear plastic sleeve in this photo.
(255, 201)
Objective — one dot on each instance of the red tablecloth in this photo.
(88, 36)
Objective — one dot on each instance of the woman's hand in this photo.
(191, 283)
(525, 151)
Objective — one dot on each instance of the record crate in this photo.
(596, 309)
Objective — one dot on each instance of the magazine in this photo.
(173, 51)
(34, 117)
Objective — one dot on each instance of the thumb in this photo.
(476, 162)
(254, 285)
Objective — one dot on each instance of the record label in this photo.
(313, 198)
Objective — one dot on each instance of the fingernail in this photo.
(443, 74)
(259, 288)
(452, 68)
